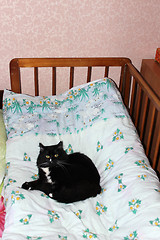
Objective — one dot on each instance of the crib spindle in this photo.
(106, 71)
(53, 80)
(144, 116)
(71, 77)
(138, 105)
(89, 74)
(36, 81)
(150, 132)
(156, 151)
(122, 80)
(132, 96)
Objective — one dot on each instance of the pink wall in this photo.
(77, 28)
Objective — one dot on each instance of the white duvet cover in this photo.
(91, 119)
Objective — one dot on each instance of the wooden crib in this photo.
(138, 97)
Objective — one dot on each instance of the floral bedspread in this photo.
(93, 120)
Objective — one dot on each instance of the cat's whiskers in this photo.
(64, 163)
(60, 164)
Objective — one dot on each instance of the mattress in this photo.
(91, 119)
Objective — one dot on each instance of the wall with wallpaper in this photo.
(77, 28)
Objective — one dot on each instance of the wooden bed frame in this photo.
(138, 97)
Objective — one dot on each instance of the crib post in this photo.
(125, 82)
(15, 76)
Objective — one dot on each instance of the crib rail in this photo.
(55, 63)
(145, 112)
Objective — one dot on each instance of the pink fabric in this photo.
(2, 215)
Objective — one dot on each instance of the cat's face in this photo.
(51, 156)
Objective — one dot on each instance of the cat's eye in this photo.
(47, 156)
(56, 155)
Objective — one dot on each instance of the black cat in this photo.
(65, 178)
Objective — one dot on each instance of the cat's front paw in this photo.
(50, 195)
(27, 186)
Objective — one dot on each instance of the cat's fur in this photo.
(65, 177)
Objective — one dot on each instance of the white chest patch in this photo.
(47, 172)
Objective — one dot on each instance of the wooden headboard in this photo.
(138, 97)
(72, 63)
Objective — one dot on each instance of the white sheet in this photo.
(127, 208)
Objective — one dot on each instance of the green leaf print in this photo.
(26, 219)
(117, 135)
(16, 196)
(99, 146)
(142, 164)
(78, 214)
(35, 176)
(62, 237)
(69, 149)
(39, 116)
(26, 157)
(157, 190)
(114, 227)
(109, 82)
(103, 190)
(16, 107)
(121, 186)
(134, 205)
(46, 105)
(33, 238)
(143, 177)
(100, 208)
(44, 195)
(102, 110)
(88, 235)
(7, 167)
(30, 104)
(72, 109)
(83, 94)
(67, 129)
(96, 91)
(109, 164)
(58, 124)
(128, 149)
(57, 103)
(10, 181)
(70, 97)
(105, 96)
(12, 104)
(155, 222)
(77, 117)
(132, 236)
(52, 216)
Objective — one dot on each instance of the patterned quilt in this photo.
(92, 119)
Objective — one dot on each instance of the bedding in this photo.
(2, 215)
(2, 149)
(92, 119)
(2, 169)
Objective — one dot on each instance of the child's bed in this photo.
(91, 118)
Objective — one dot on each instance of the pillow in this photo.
(3, 139)
(72, 111)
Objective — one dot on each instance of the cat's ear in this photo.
(60, 144)
(41, 147)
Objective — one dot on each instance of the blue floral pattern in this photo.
(75, 110)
